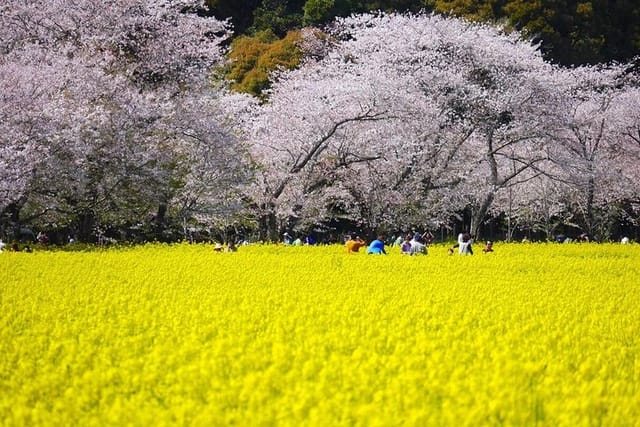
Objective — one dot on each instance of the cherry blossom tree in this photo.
(96, 103)
(110, 117)
(31, 115)
(406, 119)
(592, 155)
(207, 132)
(588, 181)
(626, 151)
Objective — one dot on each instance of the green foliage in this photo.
(605, 30)
(547, 21)
(469, 9)
(579, 32)
(253, 58)
(391, 5)
(317, 11)
(276, 16)
(321, 12)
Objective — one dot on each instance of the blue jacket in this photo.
(376, 247)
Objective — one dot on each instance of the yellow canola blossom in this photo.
(532, 334)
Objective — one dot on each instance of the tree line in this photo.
(116, 123)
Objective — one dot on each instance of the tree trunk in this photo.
(479, 215)
(589, 215)
(268, 224)
(86, 222)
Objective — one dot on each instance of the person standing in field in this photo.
(377, 246)
(488, 247)
(353, 245)
(427, 237)
(463, 245)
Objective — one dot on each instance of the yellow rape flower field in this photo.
(533, 334)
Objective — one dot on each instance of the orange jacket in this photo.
(354, 246)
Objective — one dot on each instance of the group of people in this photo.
(15, 247)
(353, 245)
(409, 245)
(413, 244)
(288, 239)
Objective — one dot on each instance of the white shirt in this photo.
(463, 249)
(417, 247)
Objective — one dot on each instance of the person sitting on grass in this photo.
(405, 247)
(377, 246)
(417, 247)
(353, 245)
